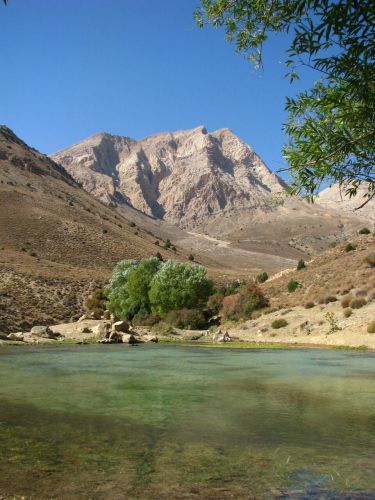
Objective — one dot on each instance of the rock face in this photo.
(184, 177)
(333, 198)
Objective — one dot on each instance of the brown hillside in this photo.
(56, 241)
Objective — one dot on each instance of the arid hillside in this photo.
(56, 242)
(209, 192)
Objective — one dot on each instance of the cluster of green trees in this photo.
(138, 289)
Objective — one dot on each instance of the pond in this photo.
(154, 421)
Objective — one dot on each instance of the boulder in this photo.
(128, 338)
(150, 338)
(42, 331)
(224, 337)
(120, 326)
(85, 329)
(101, 330)
(16, 336)
(84, 317)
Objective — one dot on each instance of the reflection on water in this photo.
(108, 422)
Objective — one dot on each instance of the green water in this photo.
(162, 422)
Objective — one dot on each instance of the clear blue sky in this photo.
(71, 68)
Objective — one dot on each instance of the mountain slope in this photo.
(334, 198)
(214, 187)
(56, 241)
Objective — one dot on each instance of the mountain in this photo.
(211, 186)
(186, 177)
(334, 198)
(57, 242)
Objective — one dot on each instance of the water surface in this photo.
(111, 422)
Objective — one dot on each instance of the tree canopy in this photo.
(331, 126)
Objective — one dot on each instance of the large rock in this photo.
(19, 336)
(121, 326)
(43, 332)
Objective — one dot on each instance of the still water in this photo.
(164, 422)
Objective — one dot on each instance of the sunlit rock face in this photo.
(185, 177)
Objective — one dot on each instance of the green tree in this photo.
(139, 279)
(117, 290)
(331, 127)
(179, 285)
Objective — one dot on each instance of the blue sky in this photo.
(71, 68)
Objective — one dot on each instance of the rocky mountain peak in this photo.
(184, 177)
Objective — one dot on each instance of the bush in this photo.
(159, 256)
(96, 300)
(157, 243)
(345, 301)
(179, 285)
(242, 304)
(141, 319)
(370, 259)
(371, 327)
(329, 298)
(214, 303)
(350, 247)
(191, 257)
(120, 301)
(301, 264)
(279, 323)
(358, 303)
(167, 244)
(262, 277)
(230, 288)
(190, 319)
(293, 285)
(132, 224)
(348, 312)
(364, 230)
(309, 305)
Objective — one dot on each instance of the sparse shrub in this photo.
(371, 327)
(370, 259)
(214, 302)
(345, 301)
(230, 288)
(97, 312)
(105, 231)
(309, 305)
(350, 247)
(358, 303)
(329, 298)
(364, 230)
(333, 244)
(301, 265)
(132, 224)
(361, 293)
(167, 244)
(190, 319)
(157, 243)
(332, 321)
(293, 285)
(174, 248)
(159, 256)
(348, 312)
(279, 323)
(371, 296)
(242, 304)
(191, 257)
(262, 277)
(145, 319)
